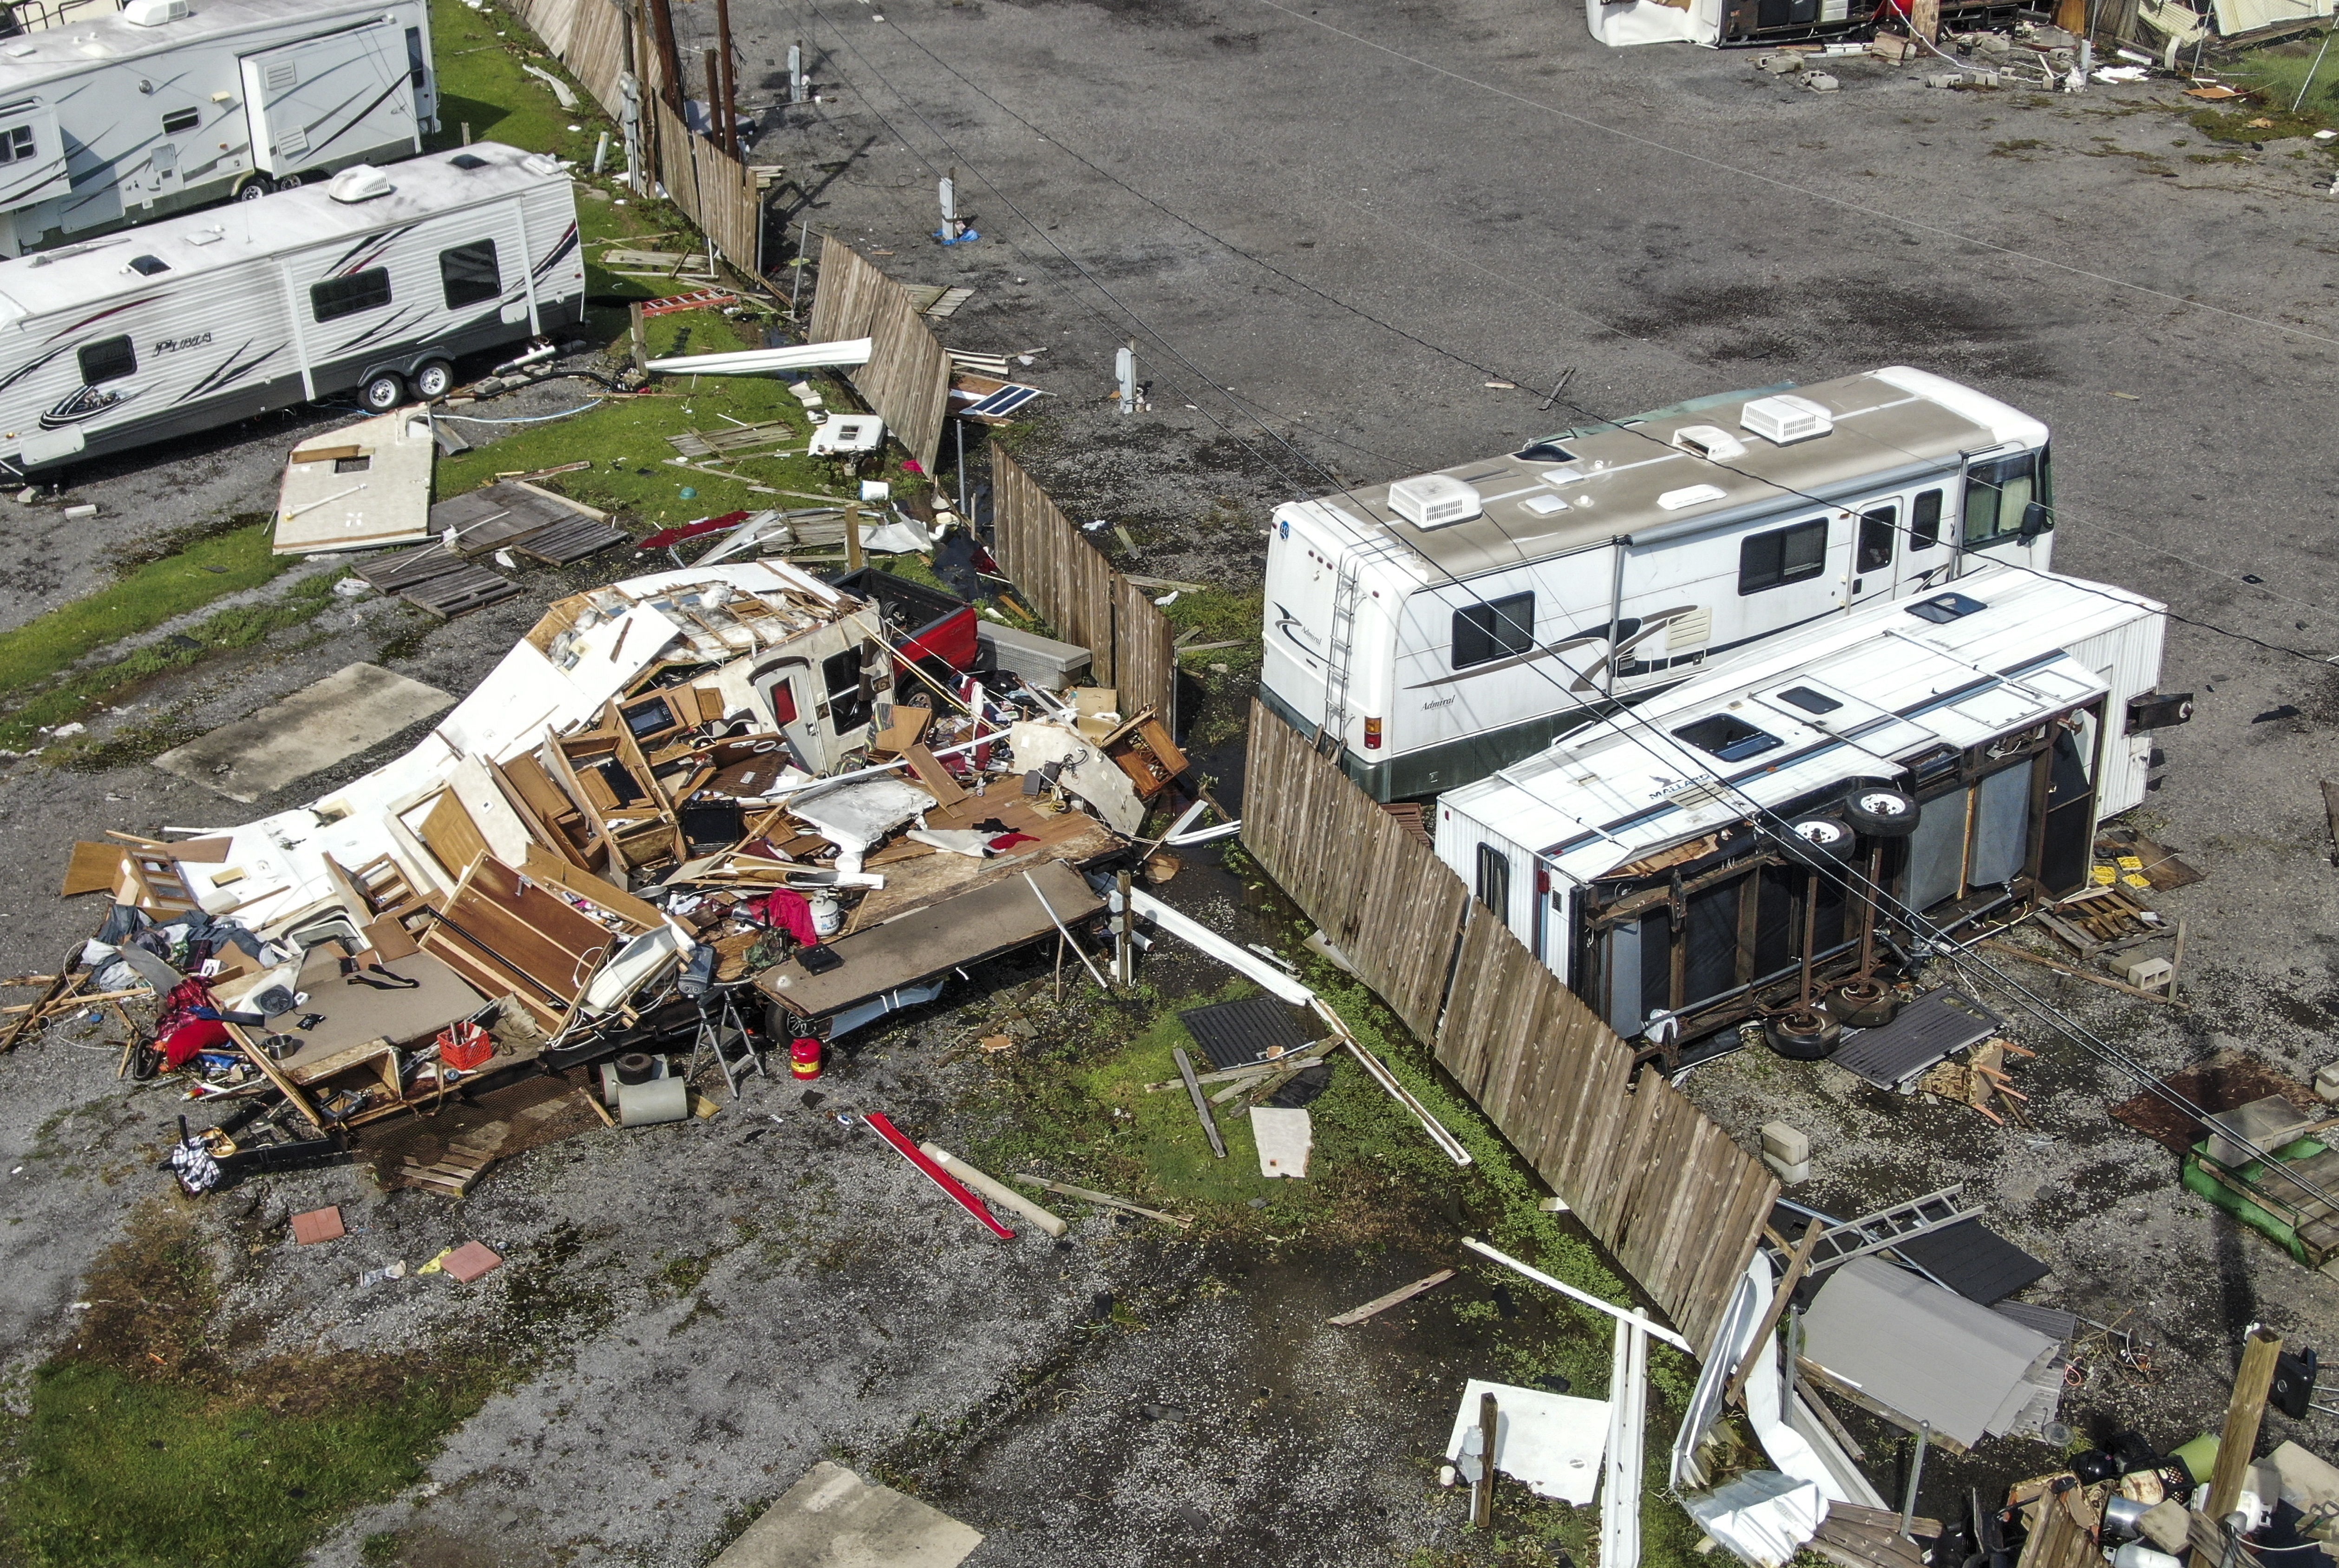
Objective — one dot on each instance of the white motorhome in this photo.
(1442, 625)
(163, 106)
(1641, 857)
(374, 283)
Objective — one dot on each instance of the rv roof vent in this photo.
(467, 160)
(1709, 441)
(1433, 500)
(1549, 451)
(153, 13)
(147, 266)
(1785, 418)
(1690, 496)
(360, 182)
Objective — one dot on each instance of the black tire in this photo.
(146, 1061)
(288, 182)
(1863, 1006)
(433, 379)
(1790, 1037)
(383, 392)
(252, 187)
(634, 1067)
(1880, 812)
(1823, 841)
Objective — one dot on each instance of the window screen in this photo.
(336, 296)
(1788, 555)
(1494, 630)
(468, 273)
(179, 119)
(1494, 881)
(16, 143)
(1925, 521)
(1876, 527)
(109, 360)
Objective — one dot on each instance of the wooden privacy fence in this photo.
(1654, 1178)
(716, 190)
(907, 377)
(1070, 582)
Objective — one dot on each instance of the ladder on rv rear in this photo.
(1338, 657)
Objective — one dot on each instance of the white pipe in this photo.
(1194, 933)
(996, 1191)
(1628, 1423)
(1203, 835)
(763, 361)
(1621, 1314)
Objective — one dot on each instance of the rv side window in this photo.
(336, 296)
(1876, 530)
(1788, 555)
(469, 272)
(1998, 496)
(1925, 521)
(1494, 881)
(16, 143)
(416, 67)
(1494, 630)
(179, 119)
(108, 362)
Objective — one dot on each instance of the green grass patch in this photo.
(626, 437)
(2279, 71)
(23, 713)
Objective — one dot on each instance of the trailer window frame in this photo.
(1494, 882)
(18, 142)
(1879, 526)
(458, 265)
(1925, 521)
(1998, 497)
(1774, 559)
(107, 359)
(1492, 629)
(351, 295)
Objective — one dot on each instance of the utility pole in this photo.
(669, 54)
(729, 92)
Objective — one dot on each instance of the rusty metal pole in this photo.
(730, 87)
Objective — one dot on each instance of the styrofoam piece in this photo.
(1762, 1516)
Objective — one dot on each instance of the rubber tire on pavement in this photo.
(1880, 812)
(433, 379)
(383, 392)
(1821, 842)
(1797, 1045)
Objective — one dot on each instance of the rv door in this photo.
(329, 102)
(1878, 542)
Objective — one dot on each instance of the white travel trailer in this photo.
(1445, 624)
(374, 283)
(163, 106)
(1644, 859)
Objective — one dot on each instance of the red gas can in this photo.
(803, 1057)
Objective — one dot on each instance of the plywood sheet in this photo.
(94, 868)
(360, 488)
(1926, 1352)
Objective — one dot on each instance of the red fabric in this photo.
(1007, 841)
(180, 1044)
(789, 911)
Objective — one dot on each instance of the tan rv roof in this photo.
(1614, 484)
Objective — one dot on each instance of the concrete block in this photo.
(1789, 1175)
(1779, 65)
(1820, 82)
(2147, 973)
(1044, 662)
(1942, 79)
(2268, 1124)
(833, 1519)
(2326, 1081)
(317, 1225)
(1788, 1144)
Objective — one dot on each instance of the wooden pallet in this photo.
(570, 541)
(460, 592)
(454, 1173)
(708, 443)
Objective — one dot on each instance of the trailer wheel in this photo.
(432, 380)
(291, 181)
(383, 392)
(252, 187)
(1802, 1036)
(1880, 812)
(1821, 842)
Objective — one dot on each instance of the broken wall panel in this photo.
(1652, 1177)
(505, 935)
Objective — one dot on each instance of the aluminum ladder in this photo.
(1844, 1240)
(722, 1035)
(1338, 654)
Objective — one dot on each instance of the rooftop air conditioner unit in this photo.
(1785, 418)
(1709, 441)
(154, 13)
(360, 182)
(1434, 500)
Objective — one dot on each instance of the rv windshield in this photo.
(1999, 494)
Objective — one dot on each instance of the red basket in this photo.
(466, 1047)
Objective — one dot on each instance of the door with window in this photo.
(1878, 547)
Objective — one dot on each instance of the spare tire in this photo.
(1881, 811)
(635, 1067)
(1791, 1037)
(1821, 842)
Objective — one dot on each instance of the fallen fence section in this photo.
(1071, 584)
(907, 377)
(1656, 1180)
(716, 190)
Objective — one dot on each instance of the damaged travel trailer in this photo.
(374, 283)
(163, 106)
(1652, 859)
(1445, 624)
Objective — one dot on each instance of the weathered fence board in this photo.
(1654, 1178)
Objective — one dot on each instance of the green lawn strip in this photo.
(2278, 71)
(24, 713)
(117, 1470)
(626, 438)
